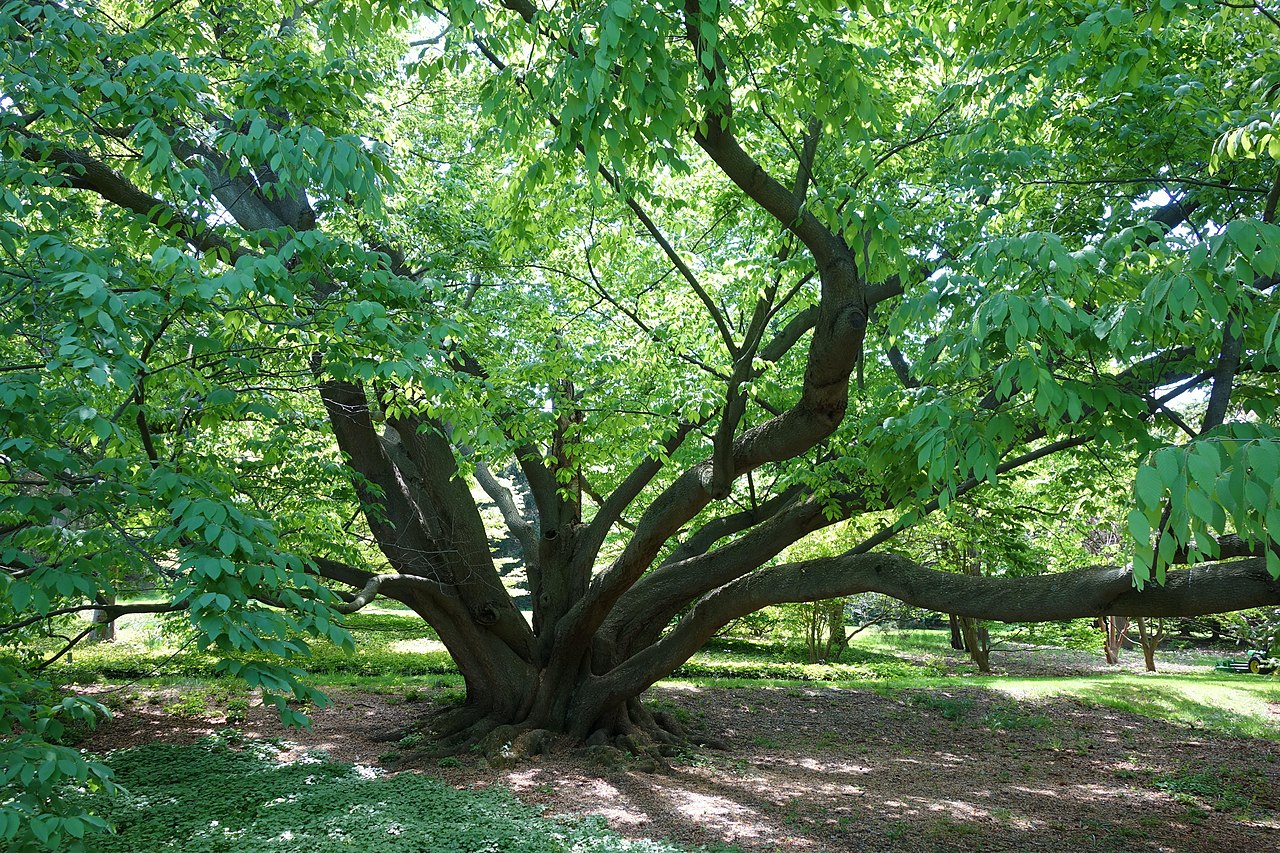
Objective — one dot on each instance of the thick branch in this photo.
(735, 406)
(371, 589)
(111, 611)
(648, 606)
(1224, 373)
(84, 172)
(718, 528)
(341, 572)
(520, 528)
(718, 141)
(1099, 591)
(789, 335)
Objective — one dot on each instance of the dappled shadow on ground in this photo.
(839, 770)
(845, 770)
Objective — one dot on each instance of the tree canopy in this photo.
(676, 284)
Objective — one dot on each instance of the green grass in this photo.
(1208, 786)
(246, 801)
(756, 659)
(892, 642)
(398, 653)
(1232, 705)
(396, 649)
(950, 707)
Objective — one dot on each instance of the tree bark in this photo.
(977, 642)
(104, 623)
(1150, 637)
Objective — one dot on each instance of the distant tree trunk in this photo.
(957, 636)
(813, 631)
(104, 630)
(1115, 628)
(825, 634)
(837, 639)
(974, 637)
(1150, 640)
(977, 640)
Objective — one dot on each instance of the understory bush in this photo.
(39, 769)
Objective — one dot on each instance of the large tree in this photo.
(675, 284)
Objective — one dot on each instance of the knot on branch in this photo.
(485, 614)
(855, 317)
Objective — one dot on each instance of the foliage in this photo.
(37, 810)
(248, 800)
(1258, 628)
(1077, 634)
(679, 285)
(1223, 482)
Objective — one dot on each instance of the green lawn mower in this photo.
(1259, 662)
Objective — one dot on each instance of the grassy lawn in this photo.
(397, 651)
(1231, 705)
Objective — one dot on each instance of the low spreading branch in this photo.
(109, 611)
(1085, 593)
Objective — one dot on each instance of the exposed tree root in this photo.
(633, 736)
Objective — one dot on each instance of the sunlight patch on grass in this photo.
(416, 647)
(894, 641)
(1231, 705)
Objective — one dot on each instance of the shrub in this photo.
(190, 705)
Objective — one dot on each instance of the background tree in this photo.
(710, 277)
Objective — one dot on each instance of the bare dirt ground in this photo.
(820, 769)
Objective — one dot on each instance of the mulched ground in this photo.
(848, 770)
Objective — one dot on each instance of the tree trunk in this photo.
(957, 636)
(977, 640)
(837, 637)
(1115, 628)
(1150, 640)
(104, 630)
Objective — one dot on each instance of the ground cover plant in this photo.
(248, 801)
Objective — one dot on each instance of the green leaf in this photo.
(1149, 487)
(228, 542)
